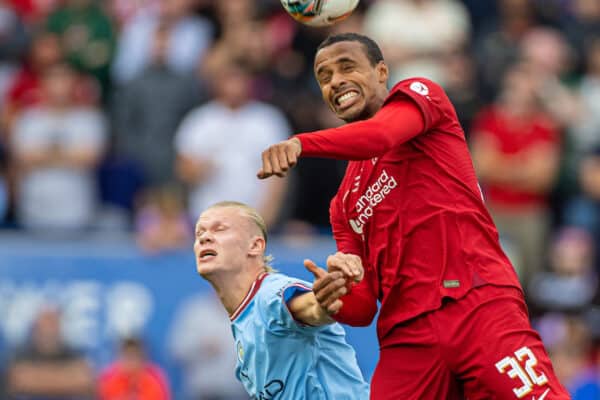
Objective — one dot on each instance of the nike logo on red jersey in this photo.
(543, 396)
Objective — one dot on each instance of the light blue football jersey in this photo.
(281, 358)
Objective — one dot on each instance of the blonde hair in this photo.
(256, 218)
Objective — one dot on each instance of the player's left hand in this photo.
(328, 287)
(349, 264)
(279, 158)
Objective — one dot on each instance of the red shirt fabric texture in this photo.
(410, 206)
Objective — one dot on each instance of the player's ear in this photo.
(382, 72)
(257, 246)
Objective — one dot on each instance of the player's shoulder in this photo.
(277, 289)
(275, 284)
(418, 85)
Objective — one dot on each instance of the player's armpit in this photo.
(306, 309)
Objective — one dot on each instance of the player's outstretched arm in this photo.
(396, 123)
(311, 310)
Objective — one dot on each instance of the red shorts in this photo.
(479, 347)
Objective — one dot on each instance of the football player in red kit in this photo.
(409, 214)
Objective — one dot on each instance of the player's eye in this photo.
(348, 67)
(324, 78)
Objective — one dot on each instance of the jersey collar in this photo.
(249, 296)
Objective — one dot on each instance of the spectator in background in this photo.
(584, 211)
(586, 131)
(217, 143)
(581, 24)
(87, 37)
(243, 36)
(203, 350)
(189, 38)
(24, 88)
(587, 383)
(13, 43)
(148, 109)
(133, 376)
(569, 345)
(516, 152)
(161, 221)
(414, 34)
(550, 58)
(46, 368)
(34, 11)
(56, 148)
(571, 283)
(497, 47)
(461, 86)
(124, 10)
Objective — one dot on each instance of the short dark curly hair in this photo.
(372, 49)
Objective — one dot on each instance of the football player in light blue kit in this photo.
(287, 346)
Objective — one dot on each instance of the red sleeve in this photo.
(396, 123)
(414, 106)
(360, 305)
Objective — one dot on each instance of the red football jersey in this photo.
(411, 207)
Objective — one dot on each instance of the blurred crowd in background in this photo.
(134, 115)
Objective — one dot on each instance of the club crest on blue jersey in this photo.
(240, 351)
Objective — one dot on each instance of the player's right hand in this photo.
(279, 158)
(349, 264)
(328, 287)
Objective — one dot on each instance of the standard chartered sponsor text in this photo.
(372, 197)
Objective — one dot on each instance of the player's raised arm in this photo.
(396, 123)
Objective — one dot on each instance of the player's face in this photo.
(224, 238)
(350, 85)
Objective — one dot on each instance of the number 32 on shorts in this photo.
(522, 366)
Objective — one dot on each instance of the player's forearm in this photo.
(306, 309)
(393, 125)
(317, 316)
(358, 310)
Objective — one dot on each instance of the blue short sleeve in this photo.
(273, 302)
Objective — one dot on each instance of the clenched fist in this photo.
(279, 158)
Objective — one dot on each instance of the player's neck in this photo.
(233, 289)
(376, 104)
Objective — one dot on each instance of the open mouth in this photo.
(207, 254)
(346, 99)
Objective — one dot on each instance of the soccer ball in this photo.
(319, 12)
